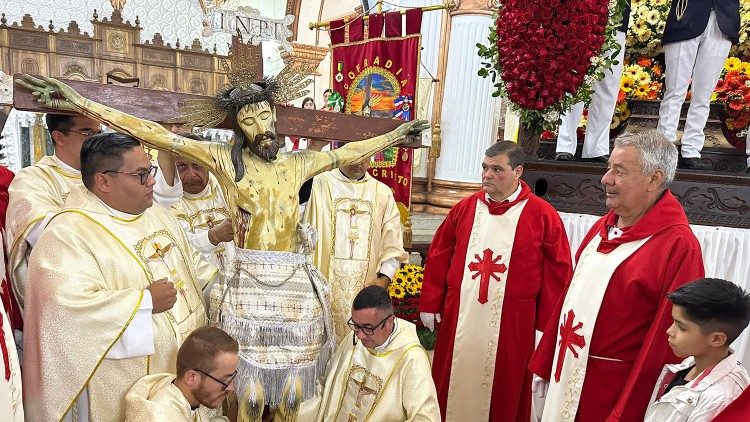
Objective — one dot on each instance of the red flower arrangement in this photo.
(548, 54)
(733, 90)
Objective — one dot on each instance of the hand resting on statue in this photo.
(223, 232)
(163, 295)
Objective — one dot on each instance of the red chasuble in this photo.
(6, 296)
(629, 343)
(738, 410)
(538, 269)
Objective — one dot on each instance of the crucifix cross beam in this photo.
(164, 107)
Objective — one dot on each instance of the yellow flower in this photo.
(652, 17)
(643, 78)
(660, 26)
(412, 289)
(627, 83)
(642, 91)
(732, 63)
(615, 122)
(640, 26)
(396, 291)
(632, 71)
(645, 35)
(659, 2)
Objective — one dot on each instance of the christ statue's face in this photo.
(258, 123)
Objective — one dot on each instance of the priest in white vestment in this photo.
(113, 289)
(206, 369)
(203, 212)
(380, 374)
(38, 192)
(360, 235)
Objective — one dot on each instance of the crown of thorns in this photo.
(210, 112)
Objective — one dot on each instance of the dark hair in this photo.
(104, 152)
(373, 297)
(308, 100)
(201, 347)
(512, 150)
(714, 305)
(59, 122)
(327, 90)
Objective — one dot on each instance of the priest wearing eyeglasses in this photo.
(206, 369)
(379, 374)
(113, 290)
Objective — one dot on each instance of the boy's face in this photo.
(686, 337)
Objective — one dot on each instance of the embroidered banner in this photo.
(376, 72)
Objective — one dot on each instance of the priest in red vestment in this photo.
(496, 268)
(606, 343)
(6, 296)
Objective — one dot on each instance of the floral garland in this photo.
(647, 21)
(549, 53)
(641, 80)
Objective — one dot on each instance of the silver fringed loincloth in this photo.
(277, 306)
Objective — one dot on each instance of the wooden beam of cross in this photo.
(164, 107)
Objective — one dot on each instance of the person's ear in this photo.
(717, 339)
(657, 180)
(103, 183)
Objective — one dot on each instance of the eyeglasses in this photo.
(86, 132)
(224, 385)
(367, 330)
(144, 175)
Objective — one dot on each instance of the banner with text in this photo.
(376, 72)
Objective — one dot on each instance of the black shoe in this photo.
(563, 156)
(694, 163)
(747, 170)
(600, 159)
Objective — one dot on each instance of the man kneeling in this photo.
(381, 374)
(206, 367)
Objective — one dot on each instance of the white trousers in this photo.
(601, 110)
(702, 58)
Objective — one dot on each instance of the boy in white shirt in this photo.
(709, 314)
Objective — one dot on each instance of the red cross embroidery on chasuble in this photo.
(486, 267)
(569, 339)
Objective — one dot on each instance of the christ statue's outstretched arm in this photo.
(147, 132)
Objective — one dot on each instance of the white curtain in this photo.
(726, 255)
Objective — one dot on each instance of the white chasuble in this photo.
(203, 211)
(365, 385)
(576, 326)
(36, 192)
(155, 398)
(90, 269)
(359, 227)
(481, 305)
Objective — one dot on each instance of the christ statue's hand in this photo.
(412, 128)
(44, 91)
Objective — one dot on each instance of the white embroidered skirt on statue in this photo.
(277, 306)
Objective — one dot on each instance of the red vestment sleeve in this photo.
(557, 271)
(738, 410)
(636, 394)
(439, 258)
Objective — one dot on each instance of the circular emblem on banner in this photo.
(339, 77)
(373, 92)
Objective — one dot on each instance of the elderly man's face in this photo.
(258, 122)
(628, 190)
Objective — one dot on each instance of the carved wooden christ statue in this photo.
(261, 185)
(272, 300)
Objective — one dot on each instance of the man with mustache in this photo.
(274, 289)
(605, 343)
(203, 211)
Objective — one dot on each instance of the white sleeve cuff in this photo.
(39, 227)
(166, 195)
(389, 267)
(138, 338)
